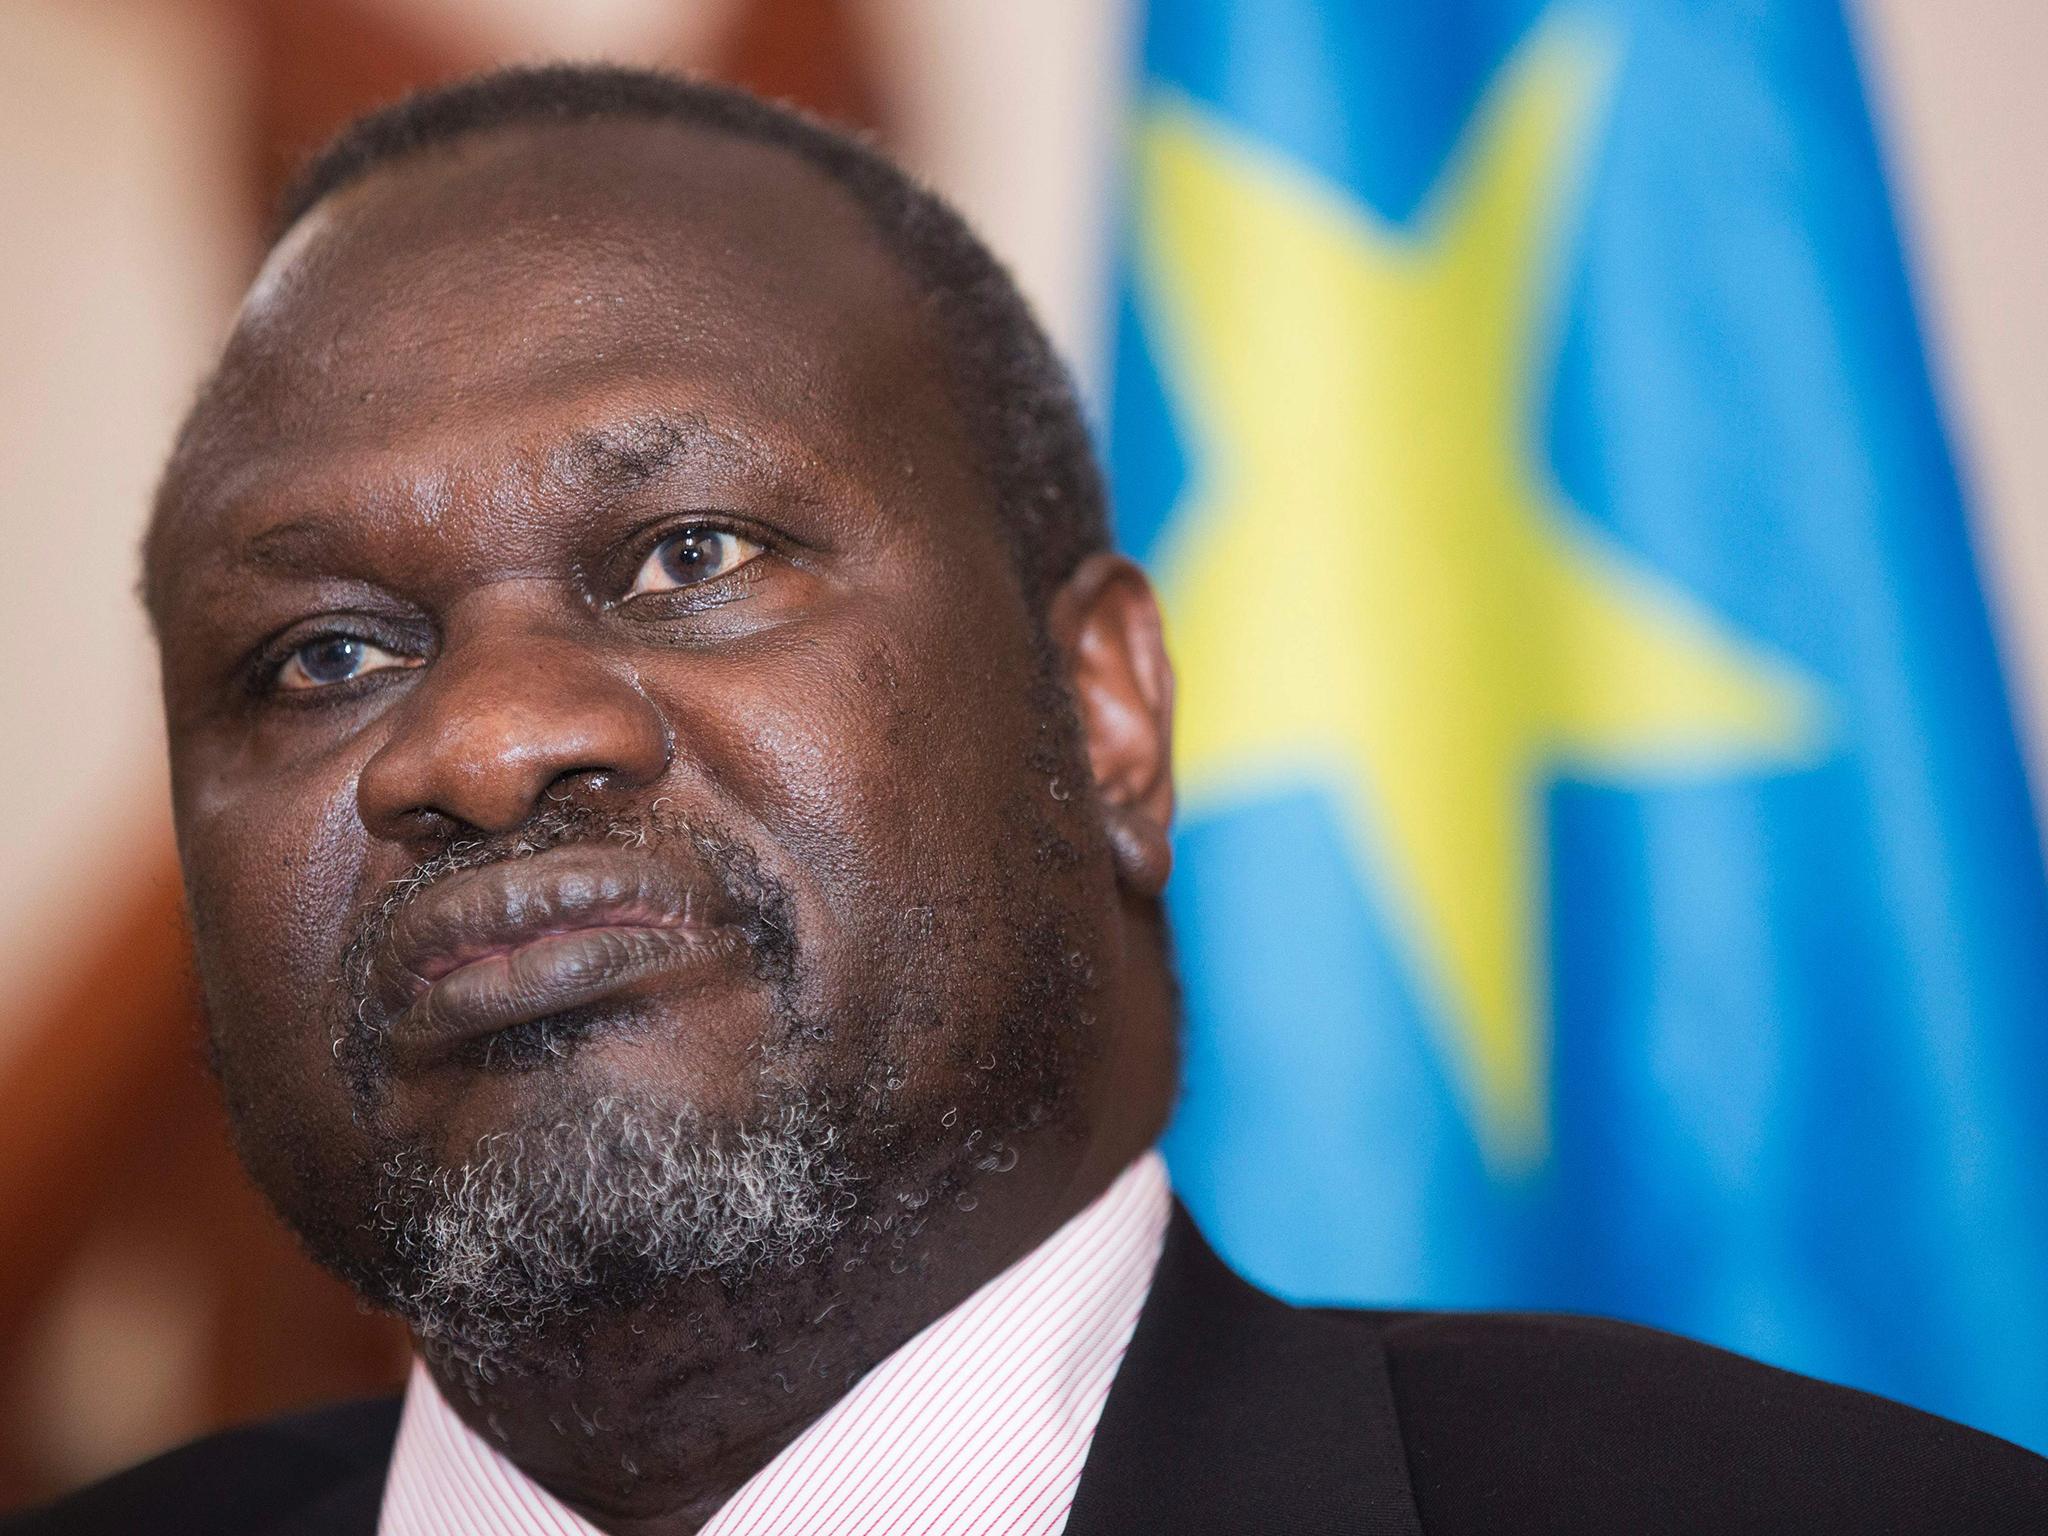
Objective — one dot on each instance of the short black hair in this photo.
(1014, 395)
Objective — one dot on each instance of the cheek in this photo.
(891, 767)
(272, 865)
(273, 860)
(881, 769)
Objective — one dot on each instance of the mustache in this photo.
(761, 904)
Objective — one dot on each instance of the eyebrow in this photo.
(622, 454)
(610, 458)
(289, 546)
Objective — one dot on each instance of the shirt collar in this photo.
(978, 1424)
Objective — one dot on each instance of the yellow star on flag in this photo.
(1374, 587)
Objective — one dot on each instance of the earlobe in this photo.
(1143, 850)
(1105, 621)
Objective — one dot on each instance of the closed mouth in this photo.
(507, 944)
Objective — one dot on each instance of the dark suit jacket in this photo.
(1236, 1413)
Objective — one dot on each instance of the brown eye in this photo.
(332, 659)
(691, 558)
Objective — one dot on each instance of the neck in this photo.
(674, 1407)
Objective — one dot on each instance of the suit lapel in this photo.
(350, 1508)
(356, 1439)
(1233, 1412)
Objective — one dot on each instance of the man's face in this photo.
(610, 743)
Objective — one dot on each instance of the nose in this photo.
(494, 724)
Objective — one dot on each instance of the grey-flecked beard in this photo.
(508, 1259)
(500, 1255)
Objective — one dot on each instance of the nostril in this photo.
(576, 783)
(424, 824)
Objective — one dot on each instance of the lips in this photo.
(507, 944)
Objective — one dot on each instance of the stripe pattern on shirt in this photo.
(976, 1427)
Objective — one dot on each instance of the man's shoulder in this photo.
(1238, 1411)
(312, 1472)
(1601, 1425)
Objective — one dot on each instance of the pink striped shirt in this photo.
(976, 1427)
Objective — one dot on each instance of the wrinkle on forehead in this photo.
(462, 283)
(304, 518)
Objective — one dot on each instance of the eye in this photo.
(326, 660)
(692, 557)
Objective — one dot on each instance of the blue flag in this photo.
(1606, 876)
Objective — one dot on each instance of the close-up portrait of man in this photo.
(673, 786)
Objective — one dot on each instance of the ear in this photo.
(1105, 621)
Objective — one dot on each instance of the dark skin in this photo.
(465, 404)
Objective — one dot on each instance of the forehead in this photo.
(497, 292)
